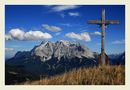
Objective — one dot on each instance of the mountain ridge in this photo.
(51, 57)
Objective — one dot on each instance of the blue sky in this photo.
(28, 25)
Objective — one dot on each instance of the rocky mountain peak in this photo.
(54, 57)
(62, 48)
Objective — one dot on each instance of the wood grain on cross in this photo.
(103, 23)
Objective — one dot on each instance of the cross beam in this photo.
(103, 24)
(107, 22)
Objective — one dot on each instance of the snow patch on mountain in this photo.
(60, 49)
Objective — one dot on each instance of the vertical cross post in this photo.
(103, 38)
(103, 60)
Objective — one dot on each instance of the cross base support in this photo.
(101, 60)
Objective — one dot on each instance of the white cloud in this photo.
(8, 37)
(60, 8)
(36, 35)
(9, 49)
(18, 34)
(118, 42)
(51, 28)
(82, 36)
(96, 33)
(74, 14)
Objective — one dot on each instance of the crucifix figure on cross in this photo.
(103, 58)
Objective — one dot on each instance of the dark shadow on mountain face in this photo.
(118, 59)
(15, 74)
(32, 68)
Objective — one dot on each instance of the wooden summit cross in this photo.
(103, 58)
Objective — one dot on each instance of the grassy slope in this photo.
(107, 75)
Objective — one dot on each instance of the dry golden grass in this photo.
(105, 75)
